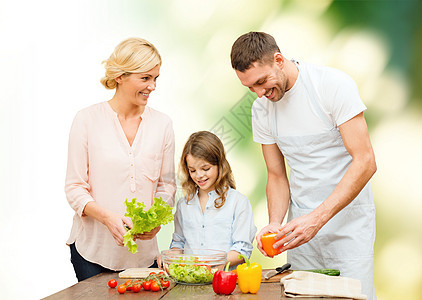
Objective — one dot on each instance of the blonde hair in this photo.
(133, 55)
(207, 146)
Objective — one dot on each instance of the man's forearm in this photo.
(353, 181)
(278, 195)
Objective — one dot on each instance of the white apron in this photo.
(317, 163)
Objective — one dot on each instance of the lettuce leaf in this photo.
(160, 213)
(191, 273)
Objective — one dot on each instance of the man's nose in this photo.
(258, 91)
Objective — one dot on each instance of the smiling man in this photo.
(312, 117)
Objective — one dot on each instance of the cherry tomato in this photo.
(161, 273)
(165, 284)
(127, 282)
(128, 285)
(146, 285)
(112, 283)
(155, 287)
(152, 273)
(121, 289)
(136, 288)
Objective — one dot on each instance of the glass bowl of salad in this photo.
(193, 266)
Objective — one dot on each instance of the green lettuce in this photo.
(160, 213)
(189, 273)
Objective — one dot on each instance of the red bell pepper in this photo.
(224, 282)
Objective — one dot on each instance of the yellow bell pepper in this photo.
(249, 276)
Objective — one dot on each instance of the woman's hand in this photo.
(273, 228)
(115, 224)
(147, 235)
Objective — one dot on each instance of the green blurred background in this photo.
(51, 54)
(377, 42)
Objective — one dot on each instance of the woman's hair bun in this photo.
(133, 55)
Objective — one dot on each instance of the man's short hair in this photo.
(251, 47)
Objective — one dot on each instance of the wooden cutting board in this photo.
(138, 272)
(275, 278)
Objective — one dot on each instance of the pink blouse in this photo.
(103, 167)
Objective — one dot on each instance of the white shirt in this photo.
(103, 167)
(230, 227)
(338, 97)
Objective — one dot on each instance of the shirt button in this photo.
(203, 226)
(202, 244)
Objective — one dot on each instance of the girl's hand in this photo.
(148, 235)
(272, 228)
(115, 224)
(159, 262)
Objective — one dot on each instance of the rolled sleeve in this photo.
(243, 248)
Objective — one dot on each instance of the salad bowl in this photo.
(193, 266)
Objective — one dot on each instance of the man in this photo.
(312, 116)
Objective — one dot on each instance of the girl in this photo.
(118, 149)
(212, 215)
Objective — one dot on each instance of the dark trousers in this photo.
(85, 269)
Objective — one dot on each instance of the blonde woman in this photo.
(118, 149)
(212, 215)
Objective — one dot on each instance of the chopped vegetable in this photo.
(160, 213)
(191, 273)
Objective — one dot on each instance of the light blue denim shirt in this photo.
(230, 227)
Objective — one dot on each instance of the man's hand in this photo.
(273, 228)
(298, 231)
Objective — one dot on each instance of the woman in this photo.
(118, 149)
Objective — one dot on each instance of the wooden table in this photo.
(96, 288)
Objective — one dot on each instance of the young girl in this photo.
(212, 215)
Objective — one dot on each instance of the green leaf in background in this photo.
(160, 213)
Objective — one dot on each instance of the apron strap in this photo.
(274, 120)
(313, 96)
